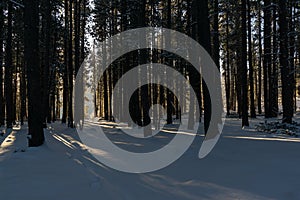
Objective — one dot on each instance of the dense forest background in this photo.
(256, 45)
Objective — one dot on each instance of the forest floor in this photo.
(245, 164)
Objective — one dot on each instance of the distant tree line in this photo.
(255, 44)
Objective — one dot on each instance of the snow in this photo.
(245, 164)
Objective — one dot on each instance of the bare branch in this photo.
(18, 4)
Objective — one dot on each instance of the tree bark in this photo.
(31, 34)
(2, 111)
(204, 40)
(251, 79)
(170, 61)
(46, 61)
(227, 71)
(8, 89)
(244, 77)
(70, 67)
(65, 71)
(267, 56)
(274, 73)
(287, 72)
(260, 59)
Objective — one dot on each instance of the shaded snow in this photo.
(245, 164)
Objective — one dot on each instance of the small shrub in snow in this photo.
(279, 128)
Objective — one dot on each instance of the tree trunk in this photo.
(8, 89)
(274, 73)
(31, 53)
(287, 72)
(105, 86)
(15, 79)
(203, 30)
(227, 71)
(267, 55)
(70, 68)
(169, 62)
(46, 66)
(260, 59)
(65, 72)
(77, 34)
(143, 55)
(23, 93)
(2, 111)
(245, 121)
(216, 40)
(292, 45)
(251, 79)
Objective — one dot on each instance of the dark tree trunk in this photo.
(109, 94)
(204, 40)
(46, 61)
(251, 79)
(144, 90)
(2, 112)
(260, 59)
(216, 40)
(65, 72)
(51, 112)
(244, 77)
(15, 84)
(23, 93)
(267, 55)
(8, 89)
(169, 60)
(292, 45)
(200, 32)
(287, 72)
(58, 106)
(105, 94)
(238, 83)
(52, 115)
(79, 103)
(191, 31)
(70, 67)
(227, 71)
(77, 34)
(31, 33)
(273, 78)
(83, 24)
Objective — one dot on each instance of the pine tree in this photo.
(267, 56)
(250, 59)
(31, 53)
(245, 121)
(8, 89)
(287, 72)
(2, 112)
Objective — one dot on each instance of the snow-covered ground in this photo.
(245, 164)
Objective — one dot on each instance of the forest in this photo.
(254, 43)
